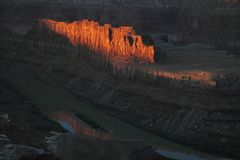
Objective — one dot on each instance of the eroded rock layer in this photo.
(121, 42)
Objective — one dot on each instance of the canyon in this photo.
(190, 95)
(190, 114)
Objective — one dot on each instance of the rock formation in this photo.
(109, 41)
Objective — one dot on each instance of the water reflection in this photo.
(74, 124)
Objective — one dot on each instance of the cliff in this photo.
(215, 22)
(218, 26)
(109, 41)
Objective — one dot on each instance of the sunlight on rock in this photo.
(112, 42)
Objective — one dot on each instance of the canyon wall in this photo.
(213, 22)
(114, 43)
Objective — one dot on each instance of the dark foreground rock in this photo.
(23, 122)
(23, 127)
(73, 147)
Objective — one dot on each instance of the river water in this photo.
(51, 99)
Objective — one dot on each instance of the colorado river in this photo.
(51, 99)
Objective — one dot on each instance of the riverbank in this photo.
(62, 100)
(26, 134)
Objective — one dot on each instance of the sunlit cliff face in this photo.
(121, 42)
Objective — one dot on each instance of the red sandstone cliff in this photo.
(112, 42)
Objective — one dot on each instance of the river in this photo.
(51, 99)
